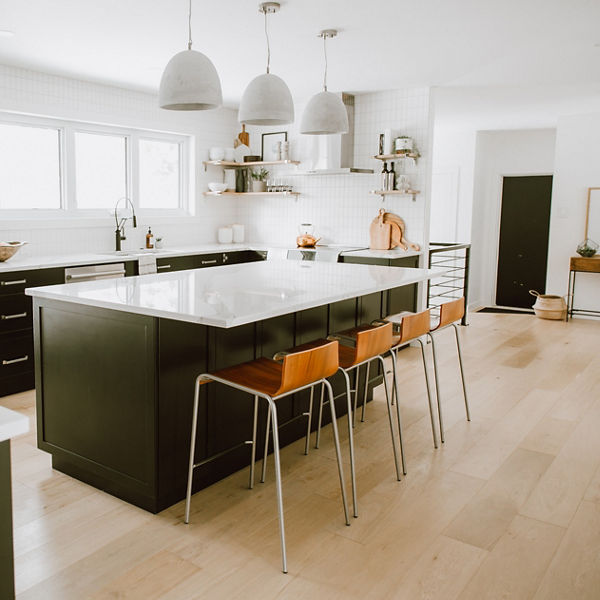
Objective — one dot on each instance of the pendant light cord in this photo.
(268, 44)
(325, 55)
(190, 27)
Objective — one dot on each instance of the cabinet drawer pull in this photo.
(98, 274)
(14, 282)
(16, 360)
(209, 262)
(163, 267)
(15, 316)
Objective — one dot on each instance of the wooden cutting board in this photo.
(380, 233)
(243, 138)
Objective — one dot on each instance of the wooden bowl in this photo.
(9, 249)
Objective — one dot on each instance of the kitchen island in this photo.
(116, 362)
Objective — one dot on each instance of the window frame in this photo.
(67, 168)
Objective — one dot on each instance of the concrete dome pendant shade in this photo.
(190, 80)
(325, 114)
(267, 100)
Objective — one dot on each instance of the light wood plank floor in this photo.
(509, 507)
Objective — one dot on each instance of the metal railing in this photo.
(454, 282)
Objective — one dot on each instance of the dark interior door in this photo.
(523, 249)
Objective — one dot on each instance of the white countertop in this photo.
(12, 424)
(17, 263)
(387, 254)
(234, 295)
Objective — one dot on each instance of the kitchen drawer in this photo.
(15, 313)
(16, 354)
(243, 256)
(177, 263)
(208, 260)
(15, 282)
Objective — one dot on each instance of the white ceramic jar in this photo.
(225, 235)
(238, 233)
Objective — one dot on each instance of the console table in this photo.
(581, 264)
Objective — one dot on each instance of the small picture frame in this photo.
(272, 145)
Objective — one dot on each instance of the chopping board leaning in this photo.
(387, 231)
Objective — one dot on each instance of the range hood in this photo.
(334, 154)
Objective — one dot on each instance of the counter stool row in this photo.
(310, 365)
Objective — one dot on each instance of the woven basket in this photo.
(549, 306)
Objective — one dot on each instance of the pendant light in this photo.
(190, 80)
(325, 113)
(267, 99)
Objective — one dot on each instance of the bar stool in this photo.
(450, 312)
(411, 327)
(272, 380)
(359, 346)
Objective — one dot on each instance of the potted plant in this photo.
(259, 180)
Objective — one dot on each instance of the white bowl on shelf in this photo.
(215, 186)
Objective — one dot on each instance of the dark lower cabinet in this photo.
(115, 394)
(7, 577)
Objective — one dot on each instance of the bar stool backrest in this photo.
(450, 312)
(372, 342)
(414, 326)
(305, 367)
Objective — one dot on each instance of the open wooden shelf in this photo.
(228, 193)
(412, 155)
(227, 164)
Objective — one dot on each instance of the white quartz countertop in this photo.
(12, 424)
(387, 254)
(17, 263)
(233, 295)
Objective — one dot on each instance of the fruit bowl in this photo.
(217, 187)
(9, 249)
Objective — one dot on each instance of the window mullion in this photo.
(68, 170)
(133, 144)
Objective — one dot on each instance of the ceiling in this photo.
(383, 44)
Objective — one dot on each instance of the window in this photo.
(77, 168)
(159, 174)
(100, 170)
(29, 167)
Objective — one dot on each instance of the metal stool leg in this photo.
(253, 451)
(428, 386)
(273, 412)
(318, 436)
(437, 387)
(355, 396)
(264, 462)
(389, 408)
(309, 415)
(398, 418)
(188, 496)
(462, 373)
(338, 452)
(364, 404)
(351, 443)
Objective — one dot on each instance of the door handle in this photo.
(14, 282)
(163, 267)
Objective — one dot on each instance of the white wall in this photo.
(340, 206)
(498, 154)
(40, 94)
(577, 167)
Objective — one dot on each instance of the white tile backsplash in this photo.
(339, 206)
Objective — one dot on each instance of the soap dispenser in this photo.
(149, 239)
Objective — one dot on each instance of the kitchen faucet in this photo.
(120, 231)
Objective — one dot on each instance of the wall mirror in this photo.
(592, 215)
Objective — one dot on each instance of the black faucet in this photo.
(120, 230)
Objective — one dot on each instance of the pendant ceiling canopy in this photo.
(190, 80)
(267, 99)
(325, 113)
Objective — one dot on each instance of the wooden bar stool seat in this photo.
(450, 313)
(271, 380)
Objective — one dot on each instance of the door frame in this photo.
(495, 231)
